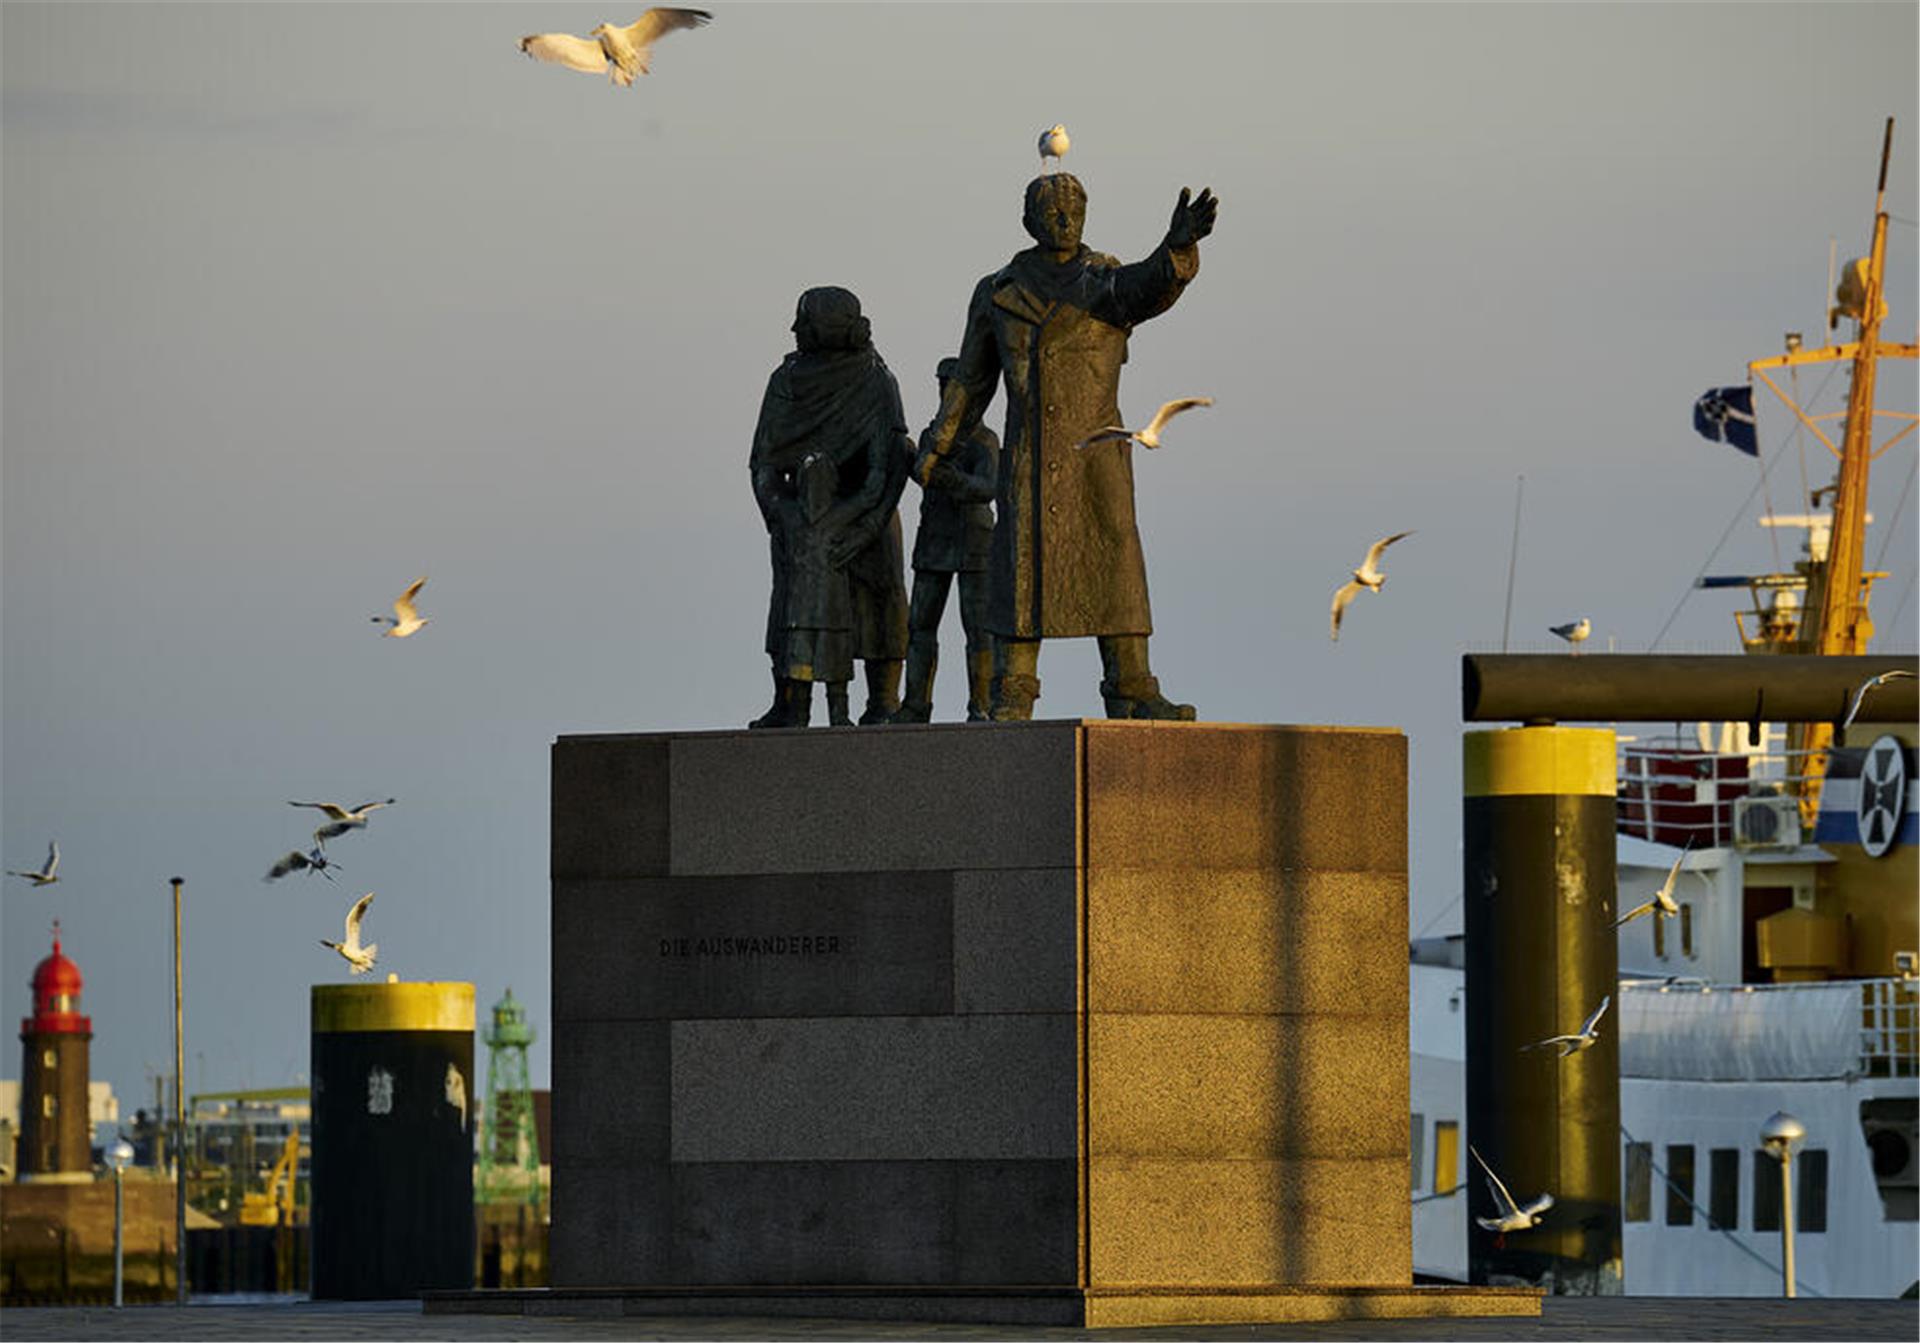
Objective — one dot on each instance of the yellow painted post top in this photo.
(1540, 762)
(422, 1006)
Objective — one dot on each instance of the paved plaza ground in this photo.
(1562, 1318)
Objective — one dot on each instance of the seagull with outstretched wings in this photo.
(1585, 1038)
(1150, 436)
(621, 52)
(359, 958)
(45, 876)
(1510, 1215)
(1367, 578)
(1663, 905)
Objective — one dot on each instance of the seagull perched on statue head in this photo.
(1366, 578)
(1054, 145)
(621, 52)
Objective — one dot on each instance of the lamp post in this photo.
(1780, 1135)
(119, 1154)
(179, 1116)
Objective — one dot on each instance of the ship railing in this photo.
(1670, 791)
(1754, 1032)
(1890, 1027)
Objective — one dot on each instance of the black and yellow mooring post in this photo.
(1540, 952)
(393, 1116)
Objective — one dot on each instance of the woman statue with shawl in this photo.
(827, 468)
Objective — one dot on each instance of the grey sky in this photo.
(302, 302)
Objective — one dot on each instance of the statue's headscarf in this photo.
(833, 393)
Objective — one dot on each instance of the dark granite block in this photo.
(811, 944)
(842, 1222)
(1015, 1221)
(1015, 940)
(611, 1092)
(1196, 795)
(973, 795)
(875, 1088)
(611, 1224)
(609, 807)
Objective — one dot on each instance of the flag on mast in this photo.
(1725, 415)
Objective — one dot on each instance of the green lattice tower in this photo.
(509, 1142)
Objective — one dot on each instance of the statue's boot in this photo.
(837, 705)
(916, 701)
(980, 686)
(1013, 697)
(1143, 700)
(883, 690)
(792, 705)
(1129, 688)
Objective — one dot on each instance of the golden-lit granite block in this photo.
(1247, 1088)
(1334, 1221)
(1236, 940)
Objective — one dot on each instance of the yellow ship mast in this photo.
(1837, 620)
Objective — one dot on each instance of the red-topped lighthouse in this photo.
(53, 1100)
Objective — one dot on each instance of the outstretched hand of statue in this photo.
(1192, 217)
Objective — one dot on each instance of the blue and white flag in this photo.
(1725, 415)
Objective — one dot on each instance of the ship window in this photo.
(1659, 935)
(1680, 1184)
(1723, 1188)
(1639, 1181)
(1417, 1147)
(1686, 931)
(1810, 1198)
(1766, 1192)
(1446, 1156)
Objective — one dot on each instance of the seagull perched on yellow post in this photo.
(621, 52)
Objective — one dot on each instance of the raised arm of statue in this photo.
(1145, 289)
(970, 389)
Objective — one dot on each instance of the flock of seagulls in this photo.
(619, 53)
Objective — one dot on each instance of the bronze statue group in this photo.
(1039, 527)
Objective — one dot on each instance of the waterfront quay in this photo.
(1561, 1318)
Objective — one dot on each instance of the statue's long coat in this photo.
(1066, 551)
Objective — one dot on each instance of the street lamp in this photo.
(179, 1116)
(119, 1154)
(1780, 1135)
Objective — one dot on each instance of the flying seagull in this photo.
(1662, 905)
(1512, 1216)
(1367, 576)
(621, 52)
(44, 877)
(1574, 633)
(1585, 1038)
(341, 819)
(405, 619)
(359, 957)
(1150, 436)
(1053, 145)
(296, 861)
(1869, 685)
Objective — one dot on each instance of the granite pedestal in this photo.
(1072, 1022)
